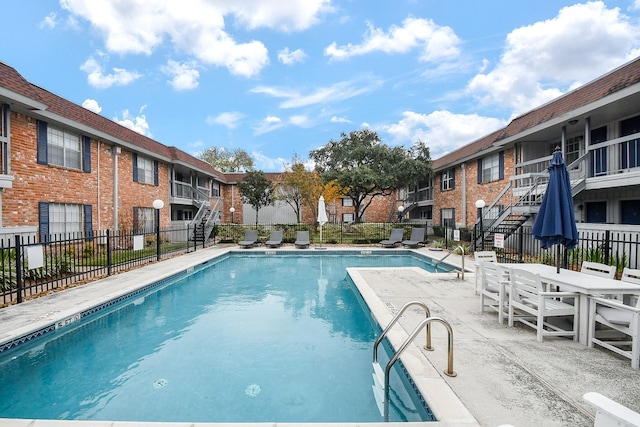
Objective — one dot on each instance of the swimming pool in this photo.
(115, 358)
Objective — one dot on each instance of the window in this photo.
(630, 212)
(64, 218)
(144, 170)
(144, 219)
(62, 148)
(491, 168)
(347, 201)
(347, 217)
(448, 180)
(4, 139)
(448, 217)
(573, 149)
(596, 212)
(215, 189)
(630, 154)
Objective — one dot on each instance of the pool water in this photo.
(250, 338)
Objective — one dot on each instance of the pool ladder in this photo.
(380, 378)
(461, 271)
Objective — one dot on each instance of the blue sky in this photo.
(279, 78)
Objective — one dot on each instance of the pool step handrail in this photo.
(393, 322)
(461, 272)
(425, 323)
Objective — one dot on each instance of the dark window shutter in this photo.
(453, 178)
(479, 171)
(501, 165)
(135, 167)
(43, 221)
(42, 142)
(136, 222)
(88, 222)
(155, 173)
(86, 153)
(442, 181)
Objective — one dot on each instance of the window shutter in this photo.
(43, 221)
(135, 167)
(155, 173)
(441, 219)
(42, 142)
(453, 178)
(501, 165)
(86, 153)
(88, 222)
(442, 181)
(136, 222)
(479, 171)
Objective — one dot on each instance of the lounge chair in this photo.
(250, 237)
(396, 236)
(302, 239)
(417, 237)
(275, 239)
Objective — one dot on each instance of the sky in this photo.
(279, 79)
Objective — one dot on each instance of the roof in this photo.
(618, 79)
(12, 80)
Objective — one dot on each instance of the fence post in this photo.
(109, 257)
(607, 236)
(18, 268)
(520, 245)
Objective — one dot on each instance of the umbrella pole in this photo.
(558, 259)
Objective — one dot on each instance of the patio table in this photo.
(581, 283)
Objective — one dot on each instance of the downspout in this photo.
(463, 166)
(116, 153)
(98, 186)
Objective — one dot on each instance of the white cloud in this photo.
(441, 131)
(137, 124)
(635, 5)
(289, 58)
(269, 124)
(300, 121)
(229, 119)
(266, 163)
(544, 60)
(196, 27)
(49, 21)
(323, 95)
(92, 105)
(98, 79)
(435, 42)
(183, 76)
(336, 119)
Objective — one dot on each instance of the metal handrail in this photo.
(393, 322)
(435, 266)
(425, 323)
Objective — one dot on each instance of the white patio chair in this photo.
(482, 256)
(598, 269)
(615, 325)
(494, 288)
(541, 310)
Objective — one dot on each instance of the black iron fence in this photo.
(29, 268)
(604, 246)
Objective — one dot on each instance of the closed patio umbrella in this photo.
(555, 223)
(322, 216)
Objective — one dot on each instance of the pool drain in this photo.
(160, 383)
(252, 390)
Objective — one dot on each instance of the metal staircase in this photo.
(526, 201)
(205, 219)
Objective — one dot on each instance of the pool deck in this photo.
(504, 376)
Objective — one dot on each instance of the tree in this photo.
(256, 190)
(299, 186)
(236, 160)
(366, 168)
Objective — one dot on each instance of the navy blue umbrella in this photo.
(555, 223)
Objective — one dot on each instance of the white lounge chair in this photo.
(615, 325)
(479, 257)
(495, 288)
(541, 310)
